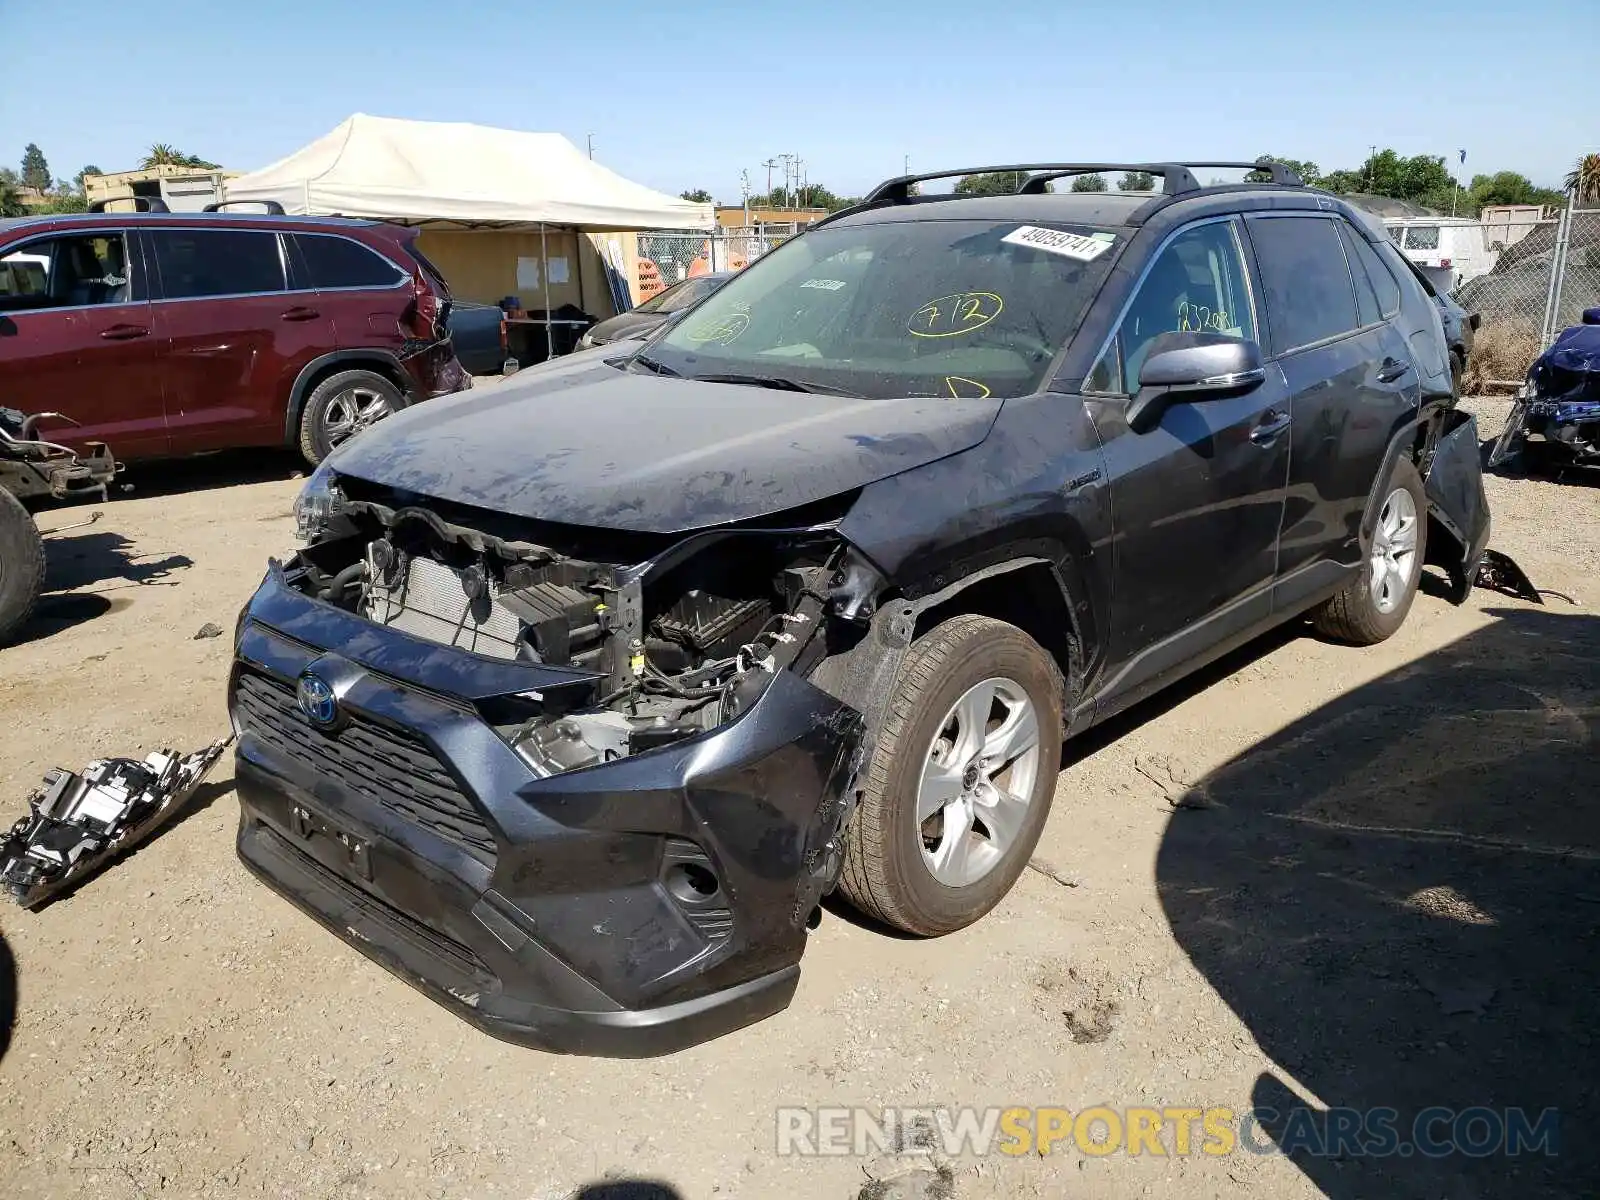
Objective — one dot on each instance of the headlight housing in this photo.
(319, 502)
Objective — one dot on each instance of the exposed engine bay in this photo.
(78, 821)
(660, 650)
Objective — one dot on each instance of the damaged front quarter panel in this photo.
(1458, 509)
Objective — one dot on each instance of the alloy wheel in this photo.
(978, 781)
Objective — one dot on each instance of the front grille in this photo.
(393, 770)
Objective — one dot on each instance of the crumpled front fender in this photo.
(1458, 509)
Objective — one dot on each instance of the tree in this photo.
(10, 201)
(1505, 187)
(1136, 181)
(35, 170)
(697, 196)
(1308, 171)
(160, 155)
(1089, 183)
(1421, 179)
(990, 183)
(1583, 181)
(77, 180)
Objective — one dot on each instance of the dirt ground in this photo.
(1315, 874)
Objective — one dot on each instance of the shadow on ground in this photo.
(627, 1189)
(102, 556)
(8, 997)
(202, 472)
(1400, 897)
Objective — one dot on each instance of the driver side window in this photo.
(1197, 284)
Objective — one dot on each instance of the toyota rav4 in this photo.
(583, 692)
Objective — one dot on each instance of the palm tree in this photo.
(162, 155)
(1584, 179)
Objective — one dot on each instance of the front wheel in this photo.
(343, 405)
(1376, 602)
(21, 565)
(961, 778)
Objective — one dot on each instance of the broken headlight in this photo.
(319, 502)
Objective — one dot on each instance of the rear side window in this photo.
(1422, 237)
(1364, 260)
(216, 262)
(1309, 294)
(336, 262)
(1366, 297)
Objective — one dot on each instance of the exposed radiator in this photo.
(433, 603)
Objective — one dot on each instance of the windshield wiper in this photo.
(780, 383)
(660, 368)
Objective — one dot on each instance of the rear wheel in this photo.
(343, 405)
(1376, 602)
(21, 565)
(961, 778)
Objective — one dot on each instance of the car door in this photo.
(1197, 500)
(231, 334)
(361, 292)
(1350, 382)
(76, 338)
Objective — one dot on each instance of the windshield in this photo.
(962, 308)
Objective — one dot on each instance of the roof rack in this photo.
(1176, 178)
(150, 204)
(271, 207)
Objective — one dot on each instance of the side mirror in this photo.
(1192, 366)
(1591, 316)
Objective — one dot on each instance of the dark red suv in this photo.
(171, 333)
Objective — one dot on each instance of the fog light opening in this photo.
(691, 883)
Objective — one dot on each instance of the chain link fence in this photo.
(1527, 277)
(667, 258)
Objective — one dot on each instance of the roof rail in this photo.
(148, 203)
(272, 207)
(1176, 178)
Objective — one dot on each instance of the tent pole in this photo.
(549, 329)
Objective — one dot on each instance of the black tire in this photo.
(317, 439)
(1354, 615)
(21, 565)
(1458, 371)
(885, 874)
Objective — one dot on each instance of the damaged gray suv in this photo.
(585, 690)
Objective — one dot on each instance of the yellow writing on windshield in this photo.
(955, 314)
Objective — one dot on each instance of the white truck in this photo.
(1449, 250)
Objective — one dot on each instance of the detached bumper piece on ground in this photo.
(78, 822)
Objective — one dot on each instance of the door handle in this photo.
(123, 333)
(1392, 369)
(1272, 424)
(301, 313)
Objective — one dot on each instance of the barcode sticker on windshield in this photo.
(1085, 247)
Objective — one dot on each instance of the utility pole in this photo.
(1372, 153)
(906, 169)
(744, 187)
(769, 164)
(591, 145)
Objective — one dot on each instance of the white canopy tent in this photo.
(454, 176)
(419, 171)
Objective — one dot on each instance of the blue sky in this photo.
(685, 95)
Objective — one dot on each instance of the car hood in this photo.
(627, 325)
(581, 442)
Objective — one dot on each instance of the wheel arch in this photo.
(323, 366)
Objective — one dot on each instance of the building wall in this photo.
(731, 216)
(481, 265)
